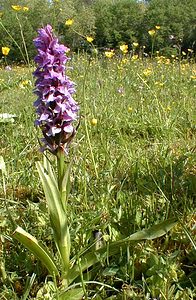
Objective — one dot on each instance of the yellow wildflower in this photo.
(69, 22)
(130, 109)
(5, 50)
(94, 122)
(135, 44)
(124, 48)
(134, 57)
(109, 54)
(147, 72)
(25, 8)
(183, 53)
(24, 83)
(152, 32)
(157, 27)
(16, 7)
(124, 61)
(161, 84)
(89, 39)
(167, 61)
(190, 50)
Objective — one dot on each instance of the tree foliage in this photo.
(109, 22)
(177, 20)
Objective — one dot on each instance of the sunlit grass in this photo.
(133, 167)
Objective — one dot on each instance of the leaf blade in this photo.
(74, 294)
(32, 244)
(93, 257)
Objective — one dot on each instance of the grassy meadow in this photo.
(134, 165)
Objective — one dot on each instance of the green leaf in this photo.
(86, 261)
(50, 170)
(110, 271)
(31, 243)
(58, 217)
(154, 232)
(74, 294)
(50, 186)
(93, 257)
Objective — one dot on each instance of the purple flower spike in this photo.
(55, 106)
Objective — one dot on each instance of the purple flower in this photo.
(55, 106)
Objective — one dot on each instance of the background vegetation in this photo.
(133, 167)
(134, 154)
(109, 22)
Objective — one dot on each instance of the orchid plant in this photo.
(56, 113)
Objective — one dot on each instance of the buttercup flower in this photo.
(94, 122)
(135, 44)
(25, 8)
(109, 54)
(89, 39)
(16, 7)
(147, 72)
(124, 61)
(124, 48)
(135, 57)
(151, 32)
(55, 106)
(158, 27)
(24, 83)
(5, 50)
(69, 22)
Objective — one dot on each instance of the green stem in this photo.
(13, 41)
(65, 257)
(64, 241)
(86, 126)
(152, 49)
(61, 173)
(23, 40)
(153, 43)
(82, 279)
